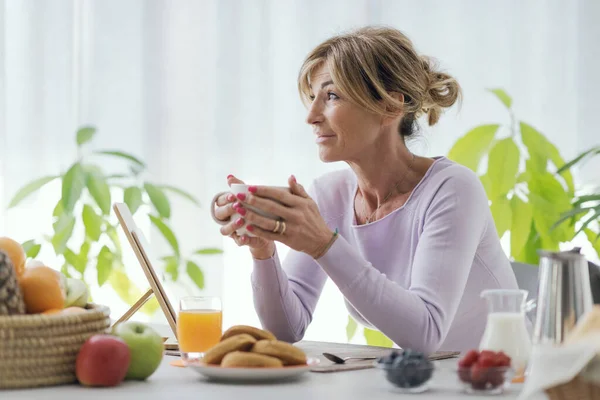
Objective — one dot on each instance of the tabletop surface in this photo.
(170, 382)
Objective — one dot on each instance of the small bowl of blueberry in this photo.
(408, 370)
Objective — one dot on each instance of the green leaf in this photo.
(58, 209)
(128, 292)
(208, 251)
(84, 250)
(376, 338)
(166, 232)
(520, 225)
(32, 249)
(30, 188)
(195, 273)
(73, 259)
(549, 200)
(502, 214)
(172, 266)
(92, 222)
(104, 267)
(123, 155)
(594, 240)
(98, 188)
(158, 199)
(469, 149)
(85, 134)
(570, 215)
(181, 193)
(540, 148)
(529, 254)
(591, 152)
(588, 221)
(72, 186)
(65, 270)
(351, 328)
(503, 166)
(133, 198)
(502, 96)
(63, 229)
(587, 198)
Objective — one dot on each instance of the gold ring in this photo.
(282, 228)
(276, 226)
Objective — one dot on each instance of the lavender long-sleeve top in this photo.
(415, 275)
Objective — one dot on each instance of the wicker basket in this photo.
(40, 350)
(576, 389)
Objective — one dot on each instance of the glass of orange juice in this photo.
(199, 326)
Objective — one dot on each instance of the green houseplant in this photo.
(86, 199)
(528, 184)
(586, 205)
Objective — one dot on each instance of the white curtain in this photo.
(200, 89)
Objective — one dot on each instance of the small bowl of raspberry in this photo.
(485, 372)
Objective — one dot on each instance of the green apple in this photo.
(146, 347)
(77, 293)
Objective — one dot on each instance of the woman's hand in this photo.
(301, 228)
(226, 208)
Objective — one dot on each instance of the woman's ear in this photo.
(397, 110)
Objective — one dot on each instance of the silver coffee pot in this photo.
(564, 295)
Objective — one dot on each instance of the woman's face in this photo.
(342, 129)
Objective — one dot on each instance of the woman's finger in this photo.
(225, 199)
(266, 234)
(225, 212)
(297, 188)
(227, 230)
(254, 218)
(267, 205)
(232, 179)
(281, 195)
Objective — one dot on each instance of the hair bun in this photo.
(442, 91)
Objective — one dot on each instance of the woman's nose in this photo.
(315, 114)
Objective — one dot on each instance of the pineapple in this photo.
(11, 300)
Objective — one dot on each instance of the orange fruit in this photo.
(42, 289)
(15, 252)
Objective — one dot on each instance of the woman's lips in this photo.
(324, 138)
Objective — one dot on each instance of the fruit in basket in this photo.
(42, 289)
(15, 252)
(77, 293)
(146, 347)
(103, 360)
(11, 299)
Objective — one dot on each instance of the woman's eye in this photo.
(332, 96)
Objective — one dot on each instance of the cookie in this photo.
(258, 334)
(287, 353)
(251, 360)
(215, 354)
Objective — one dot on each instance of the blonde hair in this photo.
(370, 64)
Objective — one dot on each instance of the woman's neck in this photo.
(387, 169)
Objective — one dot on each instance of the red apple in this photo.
(103, 360)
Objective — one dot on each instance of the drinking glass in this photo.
(199, 326)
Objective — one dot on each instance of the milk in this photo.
(506, 331)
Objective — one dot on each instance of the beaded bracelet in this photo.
(328, 245)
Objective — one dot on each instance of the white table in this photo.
(175, 383)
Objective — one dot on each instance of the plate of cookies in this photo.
(246, 353)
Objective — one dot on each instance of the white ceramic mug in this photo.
(237, 188)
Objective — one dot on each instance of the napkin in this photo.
(551, 365)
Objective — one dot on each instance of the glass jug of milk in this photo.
(506, 329)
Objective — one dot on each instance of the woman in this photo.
(408, 240)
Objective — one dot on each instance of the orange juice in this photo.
(199, 330)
